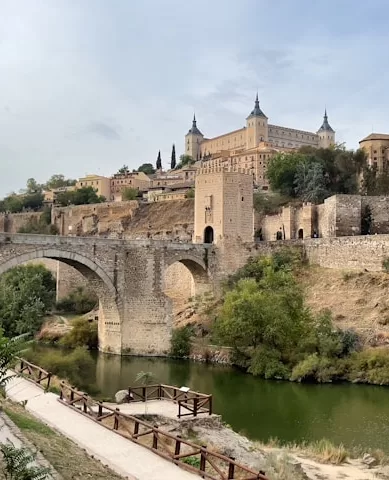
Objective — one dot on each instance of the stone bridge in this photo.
(128, 277)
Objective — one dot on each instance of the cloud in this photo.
(94, 80)
(103, 130)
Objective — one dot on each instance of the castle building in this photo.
(252, 146)
(376, 146)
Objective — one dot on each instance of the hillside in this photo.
(357, 300)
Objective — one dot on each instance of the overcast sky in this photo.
(89, 85)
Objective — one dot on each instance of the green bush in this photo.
(83, 334)
(385, 264)
(192, 461)
(181, 342)
(370, 366)
(78, 301)
(72, 366)
(319, 369)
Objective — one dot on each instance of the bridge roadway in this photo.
(121, 455)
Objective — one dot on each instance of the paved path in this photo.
(123, 456)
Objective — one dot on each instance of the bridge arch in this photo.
(186, 275)
(100, 282)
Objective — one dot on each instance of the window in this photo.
(375, 158)
(375, 151)
(242, 199)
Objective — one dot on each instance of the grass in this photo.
(69, 460)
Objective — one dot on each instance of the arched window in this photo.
(208, 235)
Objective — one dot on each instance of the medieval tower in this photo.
(325, 133)
(193, 140)
(223, 206)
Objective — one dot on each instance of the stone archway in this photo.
(109, 327)
(300, 234)
(208, 234)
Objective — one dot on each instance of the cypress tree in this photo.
(173, 162)
(159, 161)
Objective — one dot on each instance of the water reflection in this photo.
(351, 414)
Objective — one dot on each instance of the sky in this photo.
(89, 85)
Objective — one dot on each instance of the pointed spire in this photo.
(326, 127)
(257, 112)
(194, 128)
(173, 159)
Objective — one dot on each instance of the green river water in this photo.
(261, 409)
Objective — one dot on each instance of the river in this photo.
(262, 409)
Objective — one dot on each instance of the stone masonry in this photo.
(128, 277)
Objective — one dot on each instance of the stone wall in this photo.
(13, 222)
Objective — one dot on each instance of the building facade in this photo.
(376, 146)
(121, 181)
(251, 146)
(102, 185)
(223, 206)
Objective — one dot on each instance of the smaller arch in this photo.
(208, 234)
(300, 233)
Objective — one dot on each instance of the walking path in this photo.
(123, 456)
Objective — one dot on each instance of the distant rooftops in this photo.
(375, 136)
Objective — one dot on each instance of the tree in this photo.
(33, 186)
(27, 293)
(81, 196)
(310, 184)
(146, 168)
(129, 193)
(19, 464)
(159, 161)
(57, 181)
(145, 378)
(184, 160)
(366, 220)
(281, 172)
(124, 170)
(33, 201)
(41, 225)
(173, 160)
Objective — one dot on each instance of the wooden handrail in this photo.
(33, 373)
(159, 440)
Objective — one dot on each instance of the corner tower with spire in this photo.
(325, 133)
(193, 140)
(256, 126)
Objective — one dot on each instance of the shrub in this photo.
(319, 369)
(370, 366)
(83, 334)
(181, 342)
(19, 464)
(79, 301)
(192, 461)
(385, 264)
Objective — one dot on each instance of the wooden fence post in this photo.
(100, 412)
(48, 380)
(210, 404)
(155, 437)
(144, 393)
(178, 445)
(231, 469)
(85, 402)
(136, 428)
(116, 421)
(203, 458)
(195, 403)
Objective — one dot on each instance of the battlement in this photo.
(225, 169)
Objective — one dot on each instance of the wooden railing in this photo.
(193, 402)
(34, 373)
(188, 455)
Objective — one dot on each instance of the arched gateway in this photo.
(135, 314)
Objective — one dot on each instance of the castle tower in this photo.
(256, 126)
(326, 133)
(223, 206)
(193, 140)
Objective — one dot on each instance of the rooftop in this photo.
(375, 136)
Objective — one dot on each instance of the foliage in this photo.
(82, 334)
(184, 160)
(272, 333)
(9, 348)
(79, 300)
(385, 264)
(129, 193)
(159, 161)
(19, 464)
(310, 183)
(192, 461)
(314, 174)
(17, 203)
(191, 193)
(33, 186)
(366, 220)
(81, 196)
(173, 158)
(181, 342)
(41, 225)
(370, 366)
(27, 292)
(145, 378)
(123, 170)
(58, 181)
(146, 168)
(270, 203)
(374, 182)
(73, 366)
